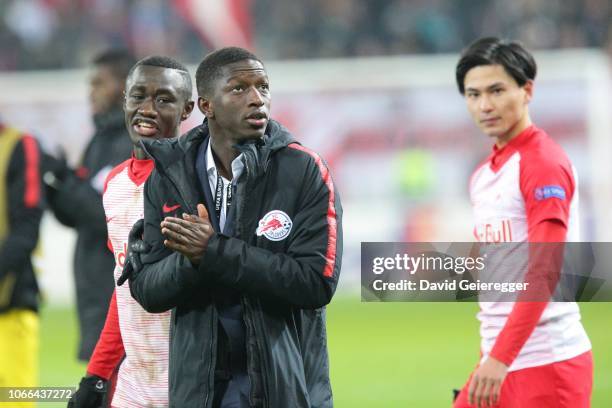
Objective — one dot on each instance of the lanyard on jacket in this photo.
(219, 197)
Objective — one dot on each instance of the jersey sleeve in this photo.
(109, 350)
(547, 185)
(525, 315)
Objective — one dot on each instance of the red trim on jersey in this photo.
(526, 314)
(31, 193)
(139, 170)
(544, 165)
(109, 350)
(500, 155)
(330, 256)
(116, 170)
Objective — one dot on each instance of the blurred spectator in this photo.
(21, 210)
(75, 196)
(37, 34)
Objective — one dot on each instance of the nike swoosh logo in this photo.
(168, 209)
(108, 219)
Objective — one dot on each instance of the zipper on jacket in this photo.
(249, 332)
(213, 358)
(213, 342)
(247, 316)
(247, 309)
(240, 188)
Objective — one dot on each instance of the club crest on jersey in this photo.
(544, 192)
(275, 225)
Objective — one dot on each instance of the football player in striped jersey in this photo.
(533, 353)
(157, 100)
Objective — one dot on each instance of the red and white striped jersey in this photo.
(528, 181)
(143, 375)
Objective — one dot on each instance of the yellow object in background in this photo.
(415, 169)
(19, 344)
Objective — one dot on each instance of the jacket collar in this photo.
(166, 152)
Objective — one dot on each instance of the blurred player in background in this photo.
(534, 354)
(75, 196)
(20, 213)
(157, 100)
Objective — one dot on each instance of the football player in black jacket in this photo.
(243, 226)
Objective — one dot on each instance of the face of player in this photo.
(155, 103)
(497, 104)
(239, 108)
(105, 90)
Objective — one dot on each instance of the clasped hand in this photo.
(188, 235)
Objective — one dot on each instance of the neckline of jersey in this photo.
(500, 155)
(139, 170)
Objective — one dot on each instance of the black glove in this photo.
(91, 393)
(136, 246)
(54, 169)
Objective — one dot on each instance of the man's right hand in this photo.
(188, 235)
(91, 393)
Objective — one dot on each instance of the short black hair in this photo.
(119, 60)
(516, 60)
(210, 68)
(167, 62)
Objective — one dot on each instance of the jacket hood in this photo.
(257, 152)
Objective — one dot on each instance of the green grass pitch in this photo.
(383, 355)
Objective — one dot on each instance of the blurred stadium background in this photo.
(370, 85)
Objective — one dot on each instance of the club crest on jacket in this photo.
(275, 225)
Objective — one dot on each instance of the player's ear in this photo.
(205, 106)
(528, 87)
(187, 109)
